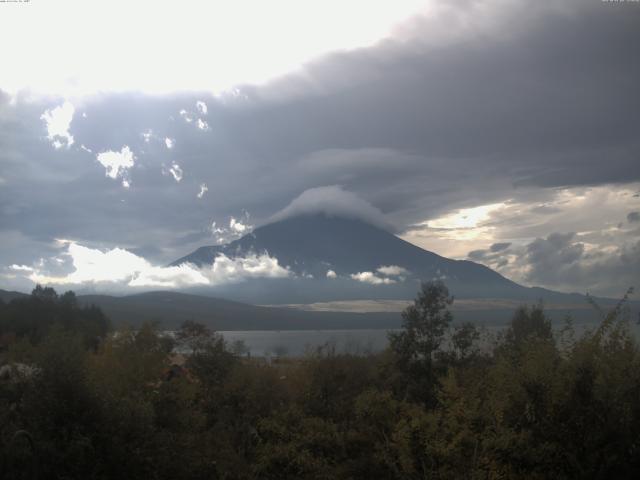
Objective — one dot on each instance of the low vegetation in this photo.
(78, 400)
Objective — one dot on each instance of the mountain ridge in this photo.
(312, 244)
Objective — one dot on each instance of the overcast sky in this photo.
(505, 132)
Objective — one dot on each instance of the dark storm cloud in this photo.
(415, 125)
(547, 257)
(496, 255)
(550, 105)
(545, 209)
(478, 255)
(498, 247)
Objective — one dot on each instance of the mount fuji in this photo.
(332, 257)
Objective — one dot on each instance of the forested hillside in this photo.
(78, 400)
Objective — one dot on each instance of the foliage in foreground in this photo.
(440, 403)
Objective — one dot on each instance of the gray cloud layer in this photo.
(526, 99)
(562, 261)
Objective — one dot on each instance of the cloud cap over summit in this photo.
(333, 201)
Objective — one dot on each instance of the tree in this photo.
(424, 326)
(528, 323)
(46, 294)
(194, 336)
(463, 340)
(209, 358)
(33, 316)
(240, 348)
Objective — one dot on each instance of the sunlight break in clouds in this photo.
(585, 233)
(243, 41)
(58, 122)
(116, 164)
(331, 274)
(466, 217)
(118, 268)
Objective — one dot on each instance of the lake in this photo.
(299, 342)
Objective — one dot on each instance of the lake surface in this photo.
(299, 342)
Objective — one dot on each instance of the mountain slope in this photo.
(311, 245)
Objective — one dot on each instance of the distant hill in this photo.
(6, 296)
(311, 245)
(172, 308)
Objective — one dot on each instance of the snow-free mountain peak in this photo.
(360, 256)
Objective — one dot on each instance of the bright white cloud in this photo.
(20, 268)
(116, 163)
(169, 142)
(92, 265)
(58, 121)
(186, 116)
(392, 270)
(215, 229)
(202, 125)
(372, 278)
(104, 61)
(190, 116)
(174, 170)
(203, 189)
(331, 274)
(119, 269)
(169, 277)
(232, 270)
(202, 107)
(237, 227)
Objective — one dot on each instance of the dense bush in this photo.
(77, 403)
